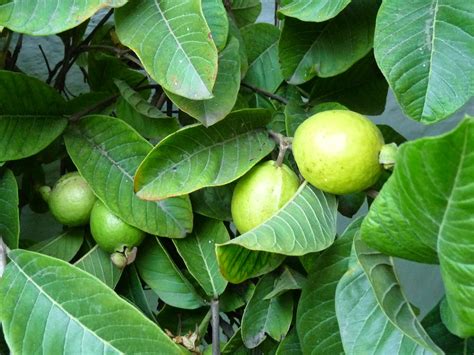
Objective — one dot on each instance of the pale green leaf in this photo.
(246, 12)
(41, 18)
(199, 255)
(51, 305)
(31, 115)
(425, 50)
(107, 153)
(314, 10)
(227, 86)
(9, 210)
(196, 156)
(64, 246)
(158, 270)
(216, 18)
(173, 42)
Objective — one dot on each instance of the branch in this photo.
(216, 344)
(16, 52)
(265, 93)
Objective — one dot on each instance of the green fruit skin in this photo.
(338, 151)
(71, 200)
(110, 232)
(260, 193)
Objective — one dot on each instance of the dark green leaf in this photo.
(246, 12)
(236, 296)
(196, 156)
(159, 271)
(69, 311)
(9, 211)
(173, 42)
(288, 280)
(107, 153)
(64, 246)
(314, 10)
(349, 205)
(390, 135)
(290, 345)
(234, 32)
(425, 49)
(213, 202)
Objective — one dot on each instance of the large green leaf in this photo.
(290, 345)
(173, 42)
(261, 42)
(316, 320)
(97, 262)
(306, 224)
(314, 10)
(216, 18)
(196, 156)
(227, 86)
(424, 213)
(31, 115)
(362, 88)
(262, 317)
(9, 211)
(41, 18)
(158, 270)
(246, 12)
(309, 49)
(213, 202)
(107, 153)
(199, 255)
(425, 50)
(64, 246)
(49, 304)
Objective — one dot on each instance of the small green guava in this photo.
(70, 200)
(260, 193)
(338, 151)
(110, 232)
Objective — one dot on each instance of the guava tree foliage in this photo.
(183, 99)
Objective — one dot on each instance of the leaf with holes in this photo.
(42, 18)
(64, 246)
(424, 213)
(196, 156)
(313, 10)
(31, 115)
(199, 255)
(425, 49)
(309, 49)
(211, 111)
(10, 214)
(306, 224)
(173, 42)
(107, 152)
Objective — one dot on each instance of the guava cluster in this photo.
(336, 151)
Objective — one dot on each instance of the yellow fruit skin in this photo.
(338, 151)
(71, 200)
(260, 193)
(110, 232)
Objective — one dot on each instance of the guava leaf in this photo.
(313, 10)
(107, 152)
(246, 12)
(262, 317)
(9, 215)
(234, 31)
(173, 42)
(290, 345)
(42, 18)
(31, 115)
(216, 18)
(362, 88)
(213, 202)
(159, 271)
(64, 246)
(198, 252)
(225, 91)
(288, 280)
(195, 156)
(306, 224)
(261, 42)
(309, 49)
(368, 299)
(424, 213)
(316, 320)
(425, 49)
(97, 262)
(69, 311)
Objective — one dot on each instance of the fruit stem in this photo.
(216, 348)
(284, 144)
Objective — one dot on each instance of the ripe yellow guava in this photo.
(260, 193)
(338, 151)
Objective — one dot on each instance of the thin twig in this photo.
(96, 28)
(101, 104)
(16, 51)
(45, 59)
(216, 346)
(265, 93)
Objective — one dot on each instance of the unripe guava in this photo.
(338, 151)
(260, 193)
